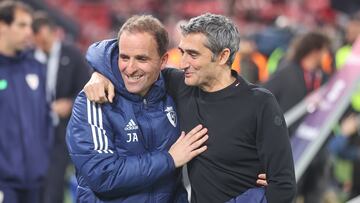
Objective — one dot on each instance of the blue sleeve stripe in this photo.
(95, 120)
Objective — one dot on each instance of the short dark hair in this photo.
(8, 8)
(42, 19)
(307, 43)
(148, 24)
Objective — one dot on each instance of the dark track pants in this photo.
(11, 195)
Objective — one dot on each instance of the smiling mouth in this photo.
(134, 78)
(188, 74)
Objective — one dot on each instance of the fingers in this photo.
(95, 92)
(182, 135)
(193, 138)
(195, 141)
(88, 92)
(111, 92)
(195, 134)
(199, 142)
(99, 93)
(262, 176)
(262, 182)
(89, 87)
(195, 130)
(188, 146)
(196, 152)
(97, 87)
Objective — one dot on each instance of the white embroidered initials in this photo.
(132, 137)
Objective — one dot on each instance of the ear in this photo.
(163, 60)
(224, 56)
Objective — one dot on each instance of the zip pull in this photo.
(145, 103)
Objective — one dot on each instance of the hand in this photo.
(262, 180)
(188, 146)
(62, 107)
(98, 87)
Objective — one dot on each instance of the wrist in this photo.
(171, 160)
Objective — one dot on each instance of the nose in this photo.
(184, 62)
(130, 66)
(28, 30)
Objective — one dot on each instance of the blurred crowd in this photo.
(291, 47)
(101, 19)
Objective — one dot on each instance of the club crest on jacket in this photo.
(171, 115)
(32, 80)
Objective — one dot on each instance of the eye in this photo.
(193, 55)
(143, 59)
(123, 57)
(22, 24)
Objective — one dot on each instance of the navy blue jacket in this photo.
(24, 120)
(120, 150)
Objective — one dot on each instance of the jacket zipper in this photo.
(20, 117)
(145, 104)
(150, 146)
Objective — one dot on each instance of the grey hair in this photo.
(219, 30)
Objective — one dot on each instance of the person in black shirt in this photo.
(247, 131)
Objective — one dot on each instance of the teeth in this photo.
(135, 77)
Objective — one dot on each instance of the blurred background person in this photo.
(302, 71)
(174, 58)
(249, 62)
(66, 74)
(352, 31)
(25, 137)
(296, 78)
(345, 145)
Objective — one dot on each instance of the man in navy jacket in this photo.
(130, 150)
(24, 118)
